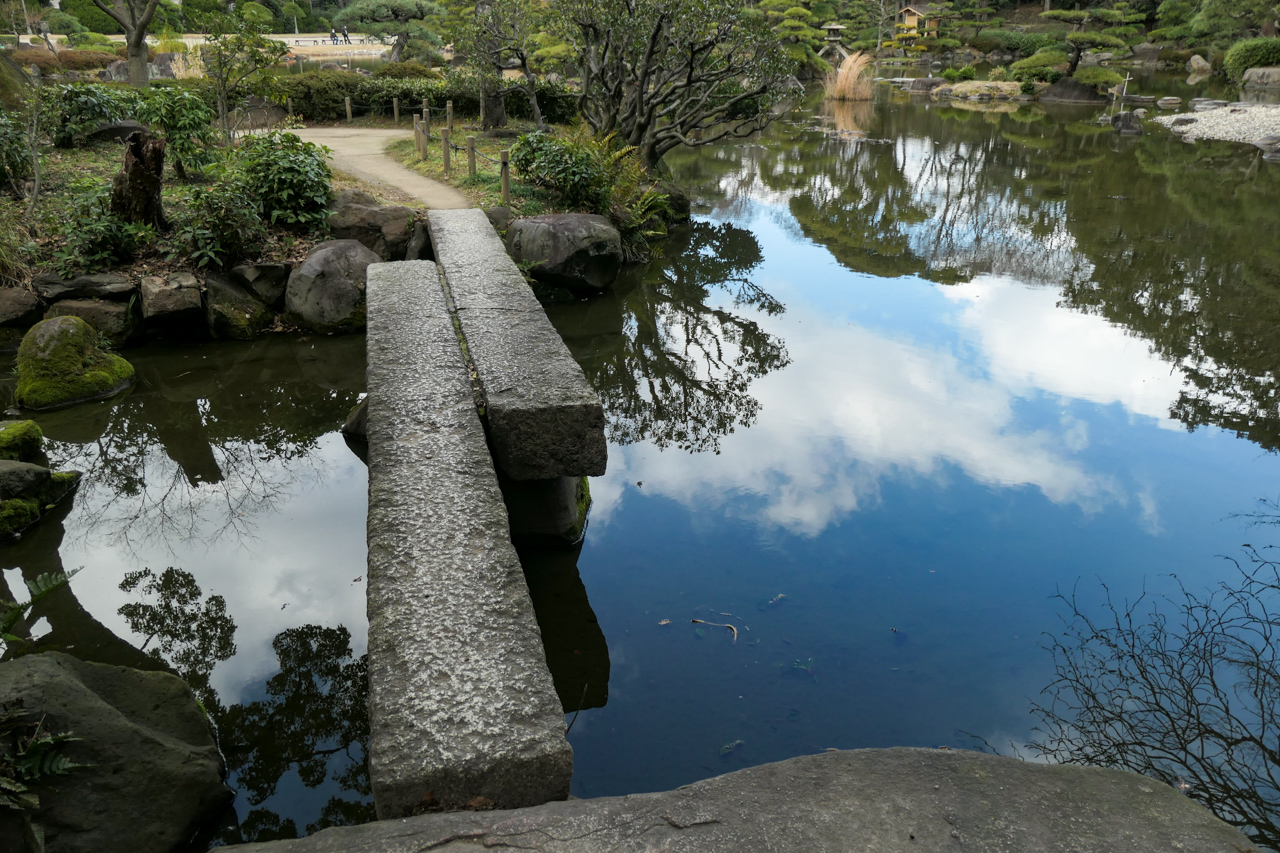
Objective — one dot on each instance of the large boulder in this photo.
(577, 251)
(60, 362)
(1069, 90)
(19, 308)
(384, 229)
(107, 285)
(232, 311)
(153, 774)
(326, 291)
(118, 322)
(27, 492)
(1199, 66)
(882, 800)
(265, 281)
(172, 304)
(1262, 78)
(925, 85)
(1127, 124)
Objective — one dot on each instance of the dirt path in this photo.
(358, 151)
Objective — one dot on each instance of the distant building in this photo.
(919, 18)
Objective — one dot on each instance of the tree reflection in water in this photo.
(1169, 240)
(1185, 690)
(669, 366)
(208, 441)
(312, 720)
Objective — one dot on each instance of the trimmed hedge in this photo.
(1251, 53)
(1012, 42)
(318, 95)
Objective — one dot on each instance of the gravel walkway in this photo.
(1233, 123)
(358, 151)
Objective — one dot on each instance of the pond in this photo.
(912, 370)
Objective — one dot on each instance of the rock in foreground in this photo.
(578, 251)
(326, 292)
(61, 362)
(155, 775)
(873, 800)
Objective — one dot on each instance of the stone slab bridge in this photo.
(461, 702)
(468, 381)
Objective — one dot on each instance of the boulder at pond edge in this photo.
(326, 291)
(576, 251)
(61, 361)
(154, 774)
(384, 229)
(232, 311)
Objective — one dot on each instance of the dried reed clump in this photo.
(852, 80)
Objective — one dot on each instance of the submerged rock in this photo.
(578, 251)
(154, 774)
(60, 362)
(383, 229)
(1127, 124)
(357, 423)
(326, 292)
(232, 311)
(886, 800)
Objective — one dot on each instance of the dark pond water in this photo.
(895, 387)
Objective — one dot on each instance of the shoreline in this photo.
(1238, 122)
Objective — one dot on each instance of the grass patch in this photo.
(485, 189)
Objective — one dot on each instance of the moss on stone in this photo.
(20, 441)
(61, 361)
(584, 506)
(17, 514)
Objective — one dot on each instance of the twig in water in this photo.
(579, 710)
(717, 625)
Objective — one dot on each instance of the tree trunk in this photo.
(495, 109)
(139, 76)
(531, 89)
(1075, 60)
(1046, 6)
(135, 191)
(397, 50)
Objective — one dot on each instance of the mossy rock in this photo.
(21, 441)
(232, 311)
(17, 514)
(61, 361)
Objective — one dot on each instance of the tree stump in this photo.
(135, 191)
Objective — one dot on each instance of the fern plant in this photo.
(29, 756)
(12, 612)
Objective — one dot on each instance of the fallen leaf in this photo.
(665, 622)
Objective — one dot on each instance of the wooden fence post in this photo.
(482, 111)
(395, 110)
(444, 146)
(448, 115)
(347, 101)
(506, 177)
(417, 138)
(471, 156)
(426, 119)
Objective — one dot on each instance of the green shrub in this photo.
(15, 158)
(187, 124)
(567, 167)
(62, 23)
(15, 247)
(951, 75)
(1043, 59)
(318, 94)
(998, 74)
(95, 237)
(218, 229)
(74, 109)
(8, 40)
(87, 39)
(91, 16)
(1011, 42)
(1251, 53)
(1098, 77)
(290, 179)
(1027, 87)
(201, 87)
(967, 72)
(946, 44)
